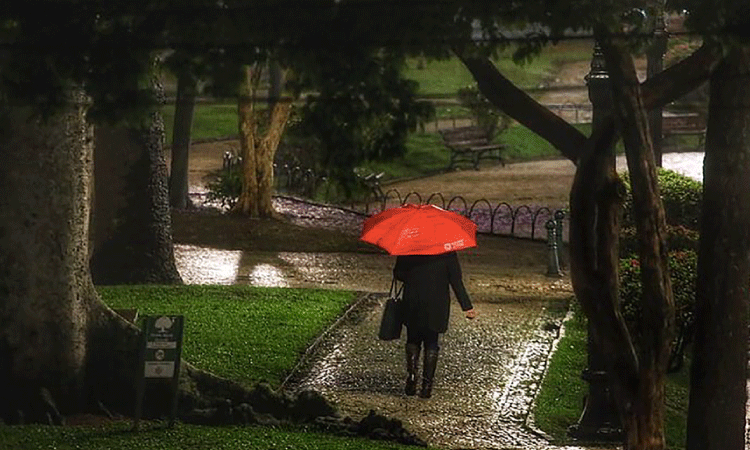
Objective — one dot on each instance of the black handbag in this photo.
(393, 314)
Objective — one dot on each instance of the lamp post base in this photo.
(599, 420)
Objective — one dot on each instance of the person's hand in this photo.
(471, 313)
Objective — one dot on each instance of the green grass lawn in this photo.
(445, 77)
(119, 437)
(560, 400)
(243, 333)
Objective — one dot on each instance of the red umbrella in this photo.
(419, 230)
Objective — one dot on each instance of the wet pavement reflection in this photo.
(203, 265)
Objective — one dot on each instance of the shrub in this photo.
(679, 238)
(680, 194)
(682, 268)
(224, 186)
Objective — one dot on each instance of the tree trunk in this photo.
(716, 417)
(257, 150)
(644, 423)
(62, 351)
(247, 203)
(638, 385)
(132, 226)
(596, 201)
(183, 122)
(44, 300)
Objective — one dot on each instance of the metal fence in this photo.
(524, 221)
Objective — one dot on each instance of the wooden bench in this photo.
(471, 144)
(684, 124)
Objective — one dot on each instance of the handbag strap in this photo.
(396, 290)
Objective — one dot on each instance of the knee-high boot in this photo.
(412, 364)
(428, 372)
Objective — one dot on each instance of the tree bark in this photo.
(247, 203)
(44, 302)
(596, 199)
(63, 351)
(644, 422)
(716, 416)
(132, 225)
(258, 150)
(183, 122)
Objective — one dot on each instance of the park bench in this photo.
(471, 144)
(684, 124)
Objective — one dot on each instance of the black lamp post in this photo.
(599, 420)
(654, 65)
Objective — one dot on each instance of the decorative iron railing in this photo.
(525, 221)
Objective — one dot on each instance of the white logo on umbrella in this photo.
(455, 244)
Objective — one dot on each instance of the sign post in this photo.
(159, 359)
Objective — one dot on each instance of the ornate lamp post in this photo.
(655, 64)
(599, 419)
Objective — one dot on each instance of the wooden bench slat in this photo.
(685, 124)
(471, 144)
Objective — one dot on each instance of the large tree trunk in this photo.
(258, 150)
(45, 295)
(62, 351)
(132, 226)
(643, 406)
(596, 199)
(716, 417)
(183, 122)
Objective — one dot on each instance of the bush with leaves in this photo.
(682, 269)
(224, 186)
(680, 194)
(363, 110)
(678, 238)
(682, 198)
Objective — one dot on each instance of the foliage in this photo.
(364, 110)
(243, 333)
(683, 272)
(678, 238)
(484, 113)
(681, 195)
(118, 436)
(224, 186)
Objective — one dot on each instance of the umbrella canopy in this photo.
(419, 230)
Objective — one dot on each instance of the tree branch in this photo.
(527, 111)
(656, 91)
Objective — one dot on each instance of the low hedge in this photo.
(683, 269)
(680, 194)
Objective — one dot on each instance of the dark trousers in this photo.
(423, 336)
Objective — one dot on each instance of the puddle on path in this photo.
(203, 265)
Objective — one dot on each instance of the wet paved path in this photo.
(488, 374)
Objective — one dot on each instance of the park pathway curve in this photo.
(489, 372)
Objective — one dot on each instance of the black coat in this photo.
(426, 279)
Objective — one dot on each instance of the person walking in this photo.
(427, 309)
